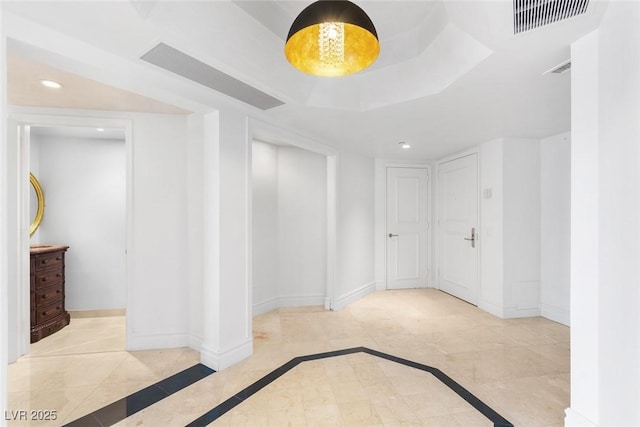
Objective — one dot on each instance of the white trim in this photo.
(355, 295)
(153, 341)
(267, 306)
(557, 314)
(288, 301)
(381, 286)
(459, 155)
(574, 419)
(222, 360)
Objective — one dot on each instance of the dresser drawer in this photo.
(48, 278)
(50, 260)
(49, 311)
(49, 295)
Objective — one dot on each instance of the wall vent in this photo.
(180, 63)
(530, 14)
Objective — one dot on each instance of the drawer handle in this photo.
(44, 279)
(59, 275)
(59, 258)
(44, 297)
(58, 291)
(58, 308)
(45, 261)
(44, 313)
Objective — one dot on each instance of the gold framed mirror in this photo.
(37, 202)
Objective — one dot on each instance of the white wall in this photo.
(302, 225)
(510, 227)
(195, 227)
(84, 185)
(265, 220)
(289, 211)
(555, 227)
(605, 222)
(3, 232)
(491, 295)
(355, 243)
(226, 177)
(521, 203)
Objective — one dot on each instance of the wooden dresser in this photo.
(48, 314)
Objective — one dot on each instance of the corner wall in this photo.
(510, 227)
(289, 217)
(555, 227)
(605, 222)
(355, 244)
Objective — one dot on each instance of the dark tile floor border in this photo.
(232, 402)
(127, 406)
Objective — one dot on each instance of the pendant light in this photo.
(332, 38)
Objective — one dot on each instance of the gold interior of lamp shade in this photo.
(40, 204)
(332, 49)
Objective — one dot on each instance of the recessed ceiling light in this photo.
(51, 84)
(100, 129)
(404, 145)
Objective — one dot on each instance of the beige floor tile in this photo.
(520, 367)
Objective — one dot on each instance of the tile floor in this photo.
(519, 367)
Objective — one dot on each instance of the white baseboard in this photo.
(265, 306)
(219, 360)
(354, 296)
(82, 314)
(574, 419)
(515, 313)
(490, 308)
(195, 342)
(381, 286)
(556, 314)
(507, 312)
(150, 342)
(288, 301)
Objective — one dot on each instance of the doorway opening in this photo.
(83, 174)
(83, 168)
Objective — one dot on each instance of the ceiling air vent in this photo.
(178, 62)
(530, 14)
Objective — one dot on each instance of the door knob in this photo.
(473, 237)
(393, 235)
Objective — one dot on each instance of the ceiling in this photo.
(450, 74)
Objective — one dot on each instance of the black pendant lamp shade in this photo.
(332, 38)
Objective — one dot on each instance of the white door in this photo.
(407, 228)
(458, 227)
